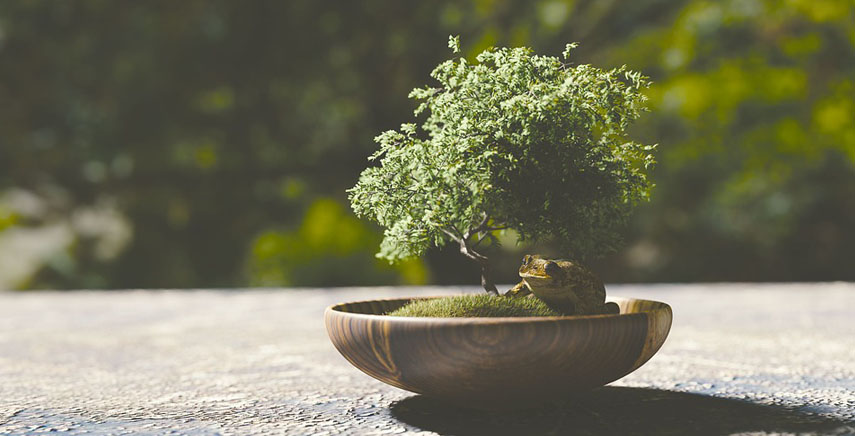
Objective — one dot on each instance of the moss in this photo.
(476, 305)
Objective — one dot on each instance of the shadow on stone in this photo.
(618, 411)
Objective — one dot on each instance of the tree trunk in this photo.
(484, 263)
(486, 281)
(466, 250)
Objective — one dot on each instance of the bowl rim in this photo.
(485, 319)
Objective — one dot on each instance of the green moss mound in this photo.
(476, 305)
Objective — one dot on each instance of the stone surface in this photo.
(755, 359)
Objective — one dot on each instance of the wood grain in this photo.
(497, 363)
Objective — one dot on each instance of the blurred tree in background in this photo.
(755, 110)
(209, 143)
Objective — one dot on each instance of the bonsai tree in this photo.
(515, 141)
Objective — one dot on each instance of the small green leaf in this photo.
(454, 43)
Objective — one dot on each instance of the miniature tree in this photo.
(516, 141)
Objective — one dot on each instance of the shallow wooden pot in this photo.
(497, 363)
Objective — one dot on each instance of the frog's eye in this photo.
(527, 259)
(552, 268)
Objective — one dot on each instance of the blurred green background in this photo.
(209, 143)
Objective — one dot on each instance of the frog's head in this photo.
(537, 267)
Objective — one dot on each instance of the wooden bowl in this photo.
(497, 363)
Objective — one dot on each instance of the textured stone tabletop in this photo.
(776, 358)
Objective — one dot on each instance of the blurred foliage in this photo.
(755, 109)
(197, 143)
(330, 247)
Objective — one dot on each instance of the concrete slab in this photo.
(741, 358)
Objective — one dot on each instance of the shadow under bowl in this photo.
(497, 363)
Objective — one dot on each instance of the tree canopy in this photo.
(515, 141)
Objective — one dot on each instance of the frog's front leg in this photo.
(520, 290)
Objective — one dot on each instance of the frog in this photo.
(565, 286)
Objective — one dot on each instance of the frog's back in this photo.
(565, 285)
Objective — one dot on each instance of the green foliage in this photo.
(201, 127)
(155, 145)
(475, 305)
(758, 158)
(329, 247)
(515, 141)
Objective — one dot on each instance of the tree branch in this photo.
(468, 250)
(481, 239)
(451, 235)
(486, 280)
(480, 227)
